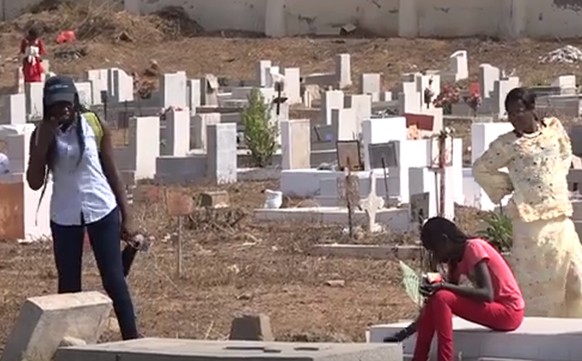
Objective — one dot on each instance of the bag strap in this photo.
(95, 124)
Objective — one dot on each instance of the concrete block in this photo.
(251, 328)
(537, 339)
(159, 349)
(44, 322)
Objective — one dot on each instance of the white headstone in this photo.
(173, 90)
(331, 99)
(177, 133)
(221, 155)
(296, 144)
(343, 70)
(488, 75)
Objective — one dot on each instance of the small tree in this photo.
(260, 132)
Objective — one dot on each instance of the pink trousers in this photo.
(437, 316)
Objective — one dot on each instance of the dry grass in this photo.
(225, 273)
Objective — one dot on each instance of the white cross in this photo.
(371, 204)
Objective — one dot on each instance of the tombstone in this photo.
(177, 133)
(296, 144)
(173, 90)
(98, 80)
(371, 84)
(19, 219)
(200, 122)
(410, 99)
(122, 86)
(143, 149)
(221, 153)
(575, 133)
(19, 80)
(251, 328)
(44, 322)
(501, 88)
(344, 124)
(428, 86)
(14, 109)
(331, 99)
(209, 90)
(566, 83)
(488, 75)
(292, 85)
(85, 91)
(384, 155)
(459, 65)
(343, 70)
(382, 130)
(420, 209)
(349, 155)
(34, 105)
(194, 99)
(262, 72)
(362, 105)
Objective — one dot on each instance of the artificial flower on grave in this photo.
(473, 101)
(413, 133)
(449, 95)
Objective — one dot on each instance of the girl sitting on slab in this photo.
(495, 301)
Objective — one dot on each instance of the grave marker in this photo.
(221, 153)
(348, 155)
(371, 204)
(44, 322)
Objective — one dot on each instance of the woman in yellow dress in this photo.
(546, 256)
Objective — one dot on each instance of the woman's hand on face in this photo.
(46, 131)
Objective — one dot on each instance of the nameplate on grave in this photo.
(419, 211)
(383, 155)
(349, 155)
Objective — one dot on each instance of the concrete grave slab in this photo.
(158, 349)
(45, 321)
(537, 339)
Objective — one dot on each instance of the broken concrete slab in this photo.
(47, 321)
(159, 349)
(251, 328)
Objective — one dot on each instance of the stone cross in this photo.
(371, 204)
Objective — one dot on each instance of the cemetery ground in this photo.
(232, 264)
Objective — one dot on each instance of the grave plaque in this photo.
(348, 155)
(384, 155)
(419, 204)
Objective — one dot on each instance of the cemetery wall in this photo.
(10, 9)
(411, 18)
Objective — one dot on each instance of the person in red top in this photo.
(32, 50)
(495, 301)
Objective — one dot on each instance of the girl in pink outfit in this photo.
(495, 301)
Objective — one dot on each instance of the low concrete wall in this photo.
(410, 18)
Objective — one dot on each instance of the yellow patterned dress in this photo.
(546, 257)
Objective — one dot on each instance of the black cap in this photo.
(59, 88)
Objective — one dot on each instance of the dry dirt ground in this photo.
(247, 266)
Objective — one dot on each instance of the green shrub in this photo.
(498, 231)
(260, 132)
